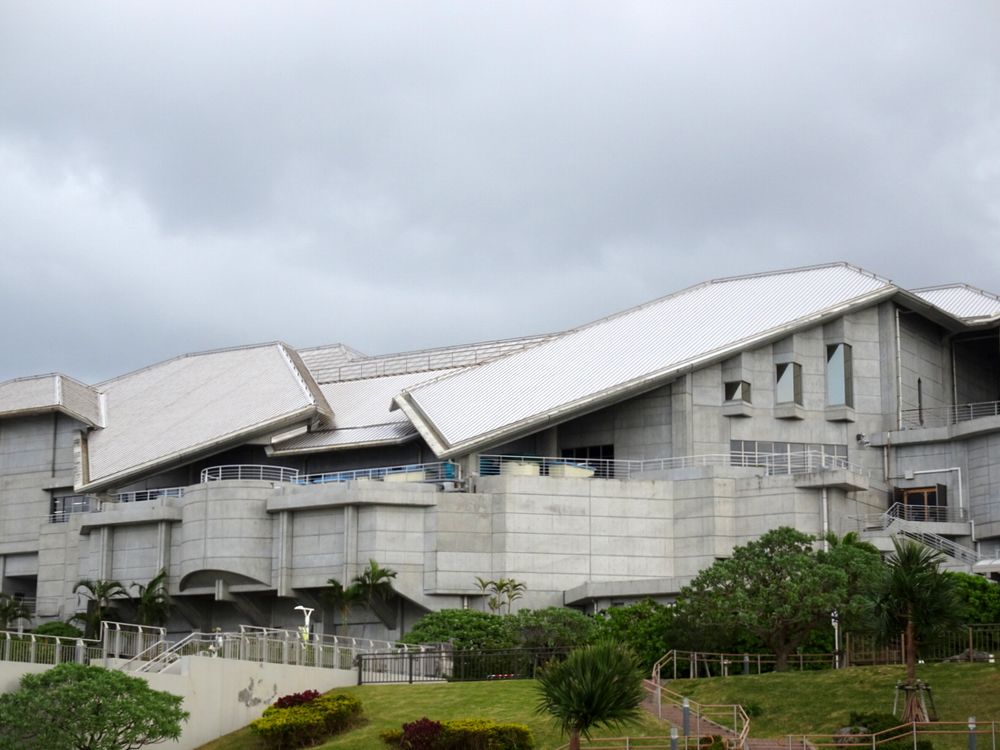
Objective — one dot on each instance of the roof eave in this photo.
(272, 451)
(181, 457)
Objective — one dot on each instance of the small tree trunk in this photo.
(781, 660)
(574, 740)
(911, 653)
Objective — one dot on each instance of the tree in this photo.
(597, 685)
(465, 629)
(100, 597)
(979, 598)
(775, 589)
(342, 599)
(375, 582)
(504, 591)
(917, 599)
(153, 600)
(553, 627)
(76, 707)
(12, 610)
(863, 566)
(646, 627)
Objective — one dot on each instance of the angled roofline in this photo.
(57, 405)
(273, 450)
(970, 321)
(192, 453)
(637, 386)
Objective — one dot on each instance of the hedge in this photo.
(469, 734)
(307, 723)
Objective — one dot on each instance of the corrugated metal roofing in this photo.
(630, 349)
(53, 392)
(329, 369)
(962, 301)
(194, 403)
(363, 416)
(324, 362)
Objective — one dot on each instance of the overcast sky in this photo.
(184, 176)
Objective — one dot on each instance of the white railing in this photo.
(773, 464)
(908, 521)
(913, 514)
(142, 496)
(29, 648)
(123, 640)
(941, 416)
(249, 471)
(443, 471)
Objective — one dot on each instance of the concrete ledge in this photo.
(838, 478)
(628, 589)
(125, 514)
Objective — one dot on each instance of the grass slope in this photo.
(820, 702)
(389, 706)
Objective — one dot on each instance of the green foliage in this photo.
(915, 597)
(646, 627)
(553, 627)
(873, 722)
(11, 610)
(375, 582)
(153, 600)
(308, 723)
(776, 589)
(504, 591)
(464, 734)
(100, 597)
(76, 707)
(978, 598)
(465, 628)
(342, 598)
(862, 563)
(597, 685)
(61, 629)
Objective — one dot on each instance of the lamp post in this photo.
(306, 614)
(972, 733)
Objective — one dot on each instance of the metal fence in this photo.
(142, 496)
(442, 471)
(433, 665)
(29, 648)
(942, 416)
(773, 464)
(249, 471)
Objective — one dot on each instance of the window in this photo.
(62, 506)
(738, 390)
(839, 379)
(923, 503)
(788, 386)
(600, 458)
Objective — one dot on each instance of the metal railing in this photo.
(983, 731)
(942, 416)
(911, 513)
(689, 665)
(907, 521)
(143, 496)
(434, 664)
(124, 640)
(773, 464)
(29, 648)
(442, 471)
(728, 720)
(249, 471)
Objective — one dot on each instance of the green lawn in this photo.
(389, 706)
(790, 703)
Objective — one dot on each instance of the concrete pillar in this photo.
(682, 408)
(350, 543)
(284, 582)
(163, 545)
(105, 553)
(3, 574)
(548, 442)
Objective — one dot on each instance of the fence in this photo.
(29, 648)
(454, 666)
(941, 416)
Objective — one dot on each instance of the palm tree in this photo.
(597, 685)
(12, 610)
(916, 598)
(375, 582)
(153, 600)
(343, 598)
(100, 595)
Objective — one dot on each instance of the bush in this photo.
(467, 734)
(306, 723)
(296, 699)
(61, 629)
(553, 627)
(421, 734)
(465, 629)
(391, 737)
(873, 722)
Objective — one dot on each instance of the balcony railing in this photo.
(250, 471)
(443, 471)
(142, 496)
(803, 462)
(942, 416)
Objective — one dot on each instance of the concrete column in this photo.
(163, 545)
(350, 543)
(284, 582)
(548, 442)
(105, 553)
(682, 409)
(3, 573)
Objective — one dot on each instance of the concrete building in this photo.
(595, 465)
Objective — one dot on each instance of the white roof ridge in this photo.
(957, 285)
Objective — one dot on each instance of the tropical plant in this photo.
(465, 629)
(596, 686)
(12, 610)
(502, 592)
(775, 589)
(100, 595)
(375, 582)
(60, 629)
(342, 598)
(553, 627)
(77, 707)
(918, 599)
(153, 600)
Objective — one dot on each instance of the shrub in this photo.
(306, 723)
(61, 629)
(296, 699)
(553, 627)
(873, 722)
(465, 628)
(421, 734)
(391, 737)
(484, 734)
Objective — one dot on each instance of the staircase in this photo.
(896, 522)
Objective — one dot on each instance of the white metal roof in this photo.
(627, 352)
(362, 415)
(195, 404)
(324, 362)
(962, 301)
(53, 392)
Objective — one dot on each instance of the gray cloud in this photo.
(178, 176)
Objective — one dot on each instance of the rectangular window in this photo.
(923, 503)
(65, 505)
(738, 390)
(788, 386)
(839, 378)
(600, 458)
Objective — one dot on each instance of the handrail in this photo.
(439, 471)
(943, 416)
(141, 496)
(249, 471)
